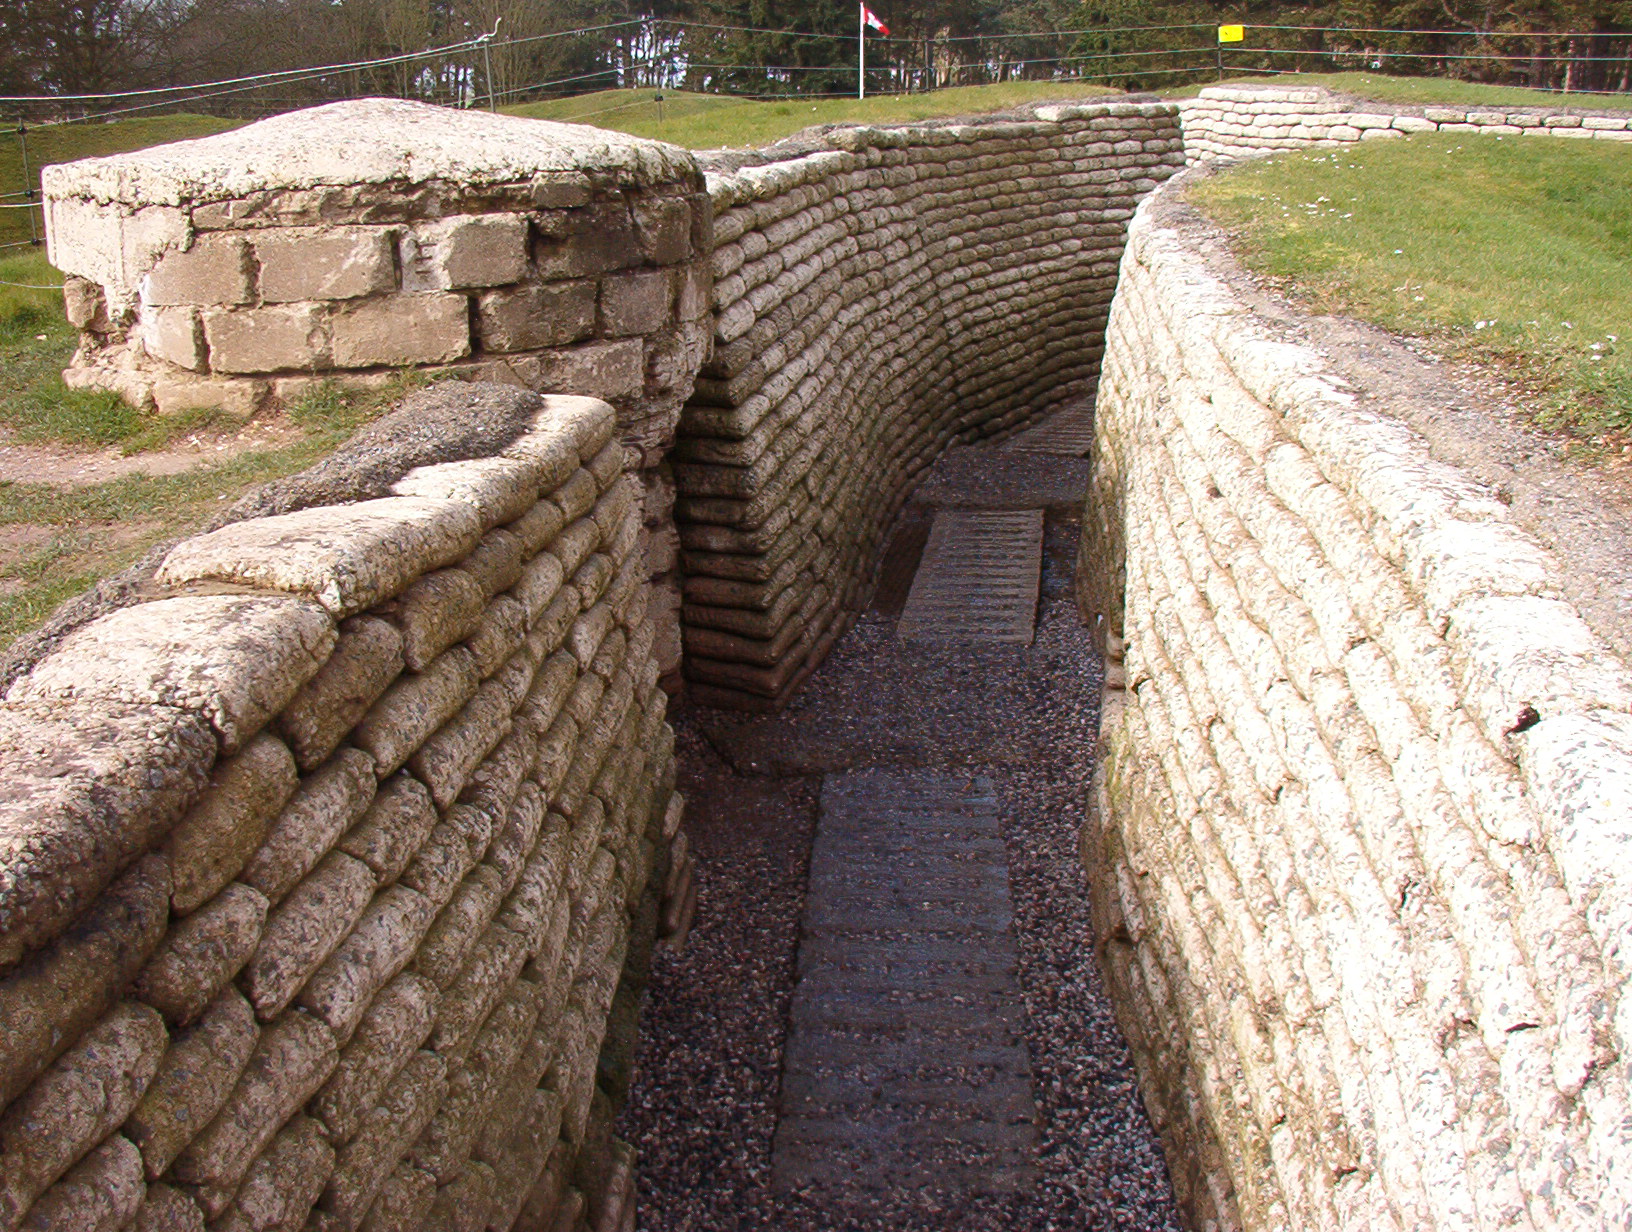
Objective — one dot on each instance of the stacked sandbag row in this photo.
(1359, 852)
(1232, 121)
(875, 302)
(329, 873)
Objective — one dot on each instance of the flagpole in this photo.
(861, 49)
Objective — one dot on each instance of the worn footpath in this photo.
(1002, 728)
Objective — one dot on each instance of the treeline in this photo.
(543, 48)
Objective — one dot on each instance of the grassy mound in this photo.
(1509, 251)
(707, 121)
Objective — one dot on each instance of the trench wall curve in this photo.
(1359, 847)
(1225, 122)
(1359, 842)
(875, 300)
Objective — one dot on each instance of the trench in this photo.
(725, 1044)
(1353, 822)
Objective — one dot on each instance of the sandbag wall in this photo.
(1360, 853)
(1230, 121)
(329, 873)
(875, 302)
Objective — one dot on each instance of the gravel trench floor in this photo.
(702, 1113)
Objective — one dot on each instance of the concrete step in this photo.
(977, 581)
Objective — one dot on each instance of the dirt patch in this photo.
(20, 541)
(66, 468)
(1580, 510)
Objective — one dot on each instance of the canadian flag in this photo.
(871, 19)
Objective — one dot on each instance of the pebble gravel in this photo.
(702, 1113)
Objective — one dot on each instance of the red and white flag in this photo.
(871, 19)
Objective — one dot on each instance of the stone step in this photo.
(1068, 433)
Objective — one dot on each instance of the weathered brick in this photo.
(215, 270)
(638, 302)
(196, 1074)
(304, 929)
(76, 1104)
(598, 369)
(222, 831)
(175, 336)
(598, 238)
(270, 339)
(323, 263)
(469, 251)
(290, 1062)
(366, 659)
(401, 329)
(663, 226)
(201, 953)
(236, 396)
(528, 316)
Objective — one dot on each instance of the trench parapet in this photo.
(347, 242)
(1359, 845)
(1228, 122)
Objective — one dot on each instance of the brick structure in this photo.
(348, 241)
(875, 301)
(1359, 850)
(328, 865)
(1233, 121)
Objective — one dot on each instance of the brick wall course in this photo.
(955, 274)
(1227, 122)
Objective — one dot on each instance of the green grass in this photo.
(36, 343)
(56, 543)
(1512, 252)
(1421, 91)
(707, 121)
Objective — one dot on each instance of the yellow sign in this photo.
(1231, 34)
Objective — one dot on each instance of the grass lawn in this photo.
(1421, 91)
(707, 121)
(55, 543)
(1510, 251)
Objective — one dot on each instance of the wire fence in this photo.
(701, 57)
(707, 57)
